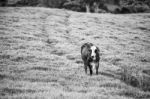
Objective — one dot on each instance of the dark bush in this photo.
(73, 5)
(112, 8)
(98, 6)
(27, 3)
(124, 10)
(141, 8)
(134, 6)
(3, 3)
(44, 3)
(135, 9)
(55, 3)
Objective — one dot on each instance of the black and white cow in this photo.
(90, 56)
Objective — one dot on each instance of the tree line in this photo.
(95, 6)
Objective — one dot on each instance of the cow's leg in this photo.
(97, 66)
(90, 68)
(85, 67)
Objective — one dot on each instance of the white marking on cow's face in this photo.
(93, 53)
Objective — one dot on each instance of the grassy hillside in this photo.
(40, 54)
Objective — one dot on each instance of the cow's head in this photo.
(94, 52)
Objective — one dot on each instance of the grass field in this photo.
(40, 54)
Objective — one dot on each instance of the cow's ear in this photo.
(97, 49)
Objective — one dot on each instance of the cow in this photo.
(90, 56)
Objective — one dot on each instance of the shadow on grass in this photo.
(79, 62)
(136, 77)
(12, 91)
(135, 94)
(70, 57)
(59, 53)
(40, 68)
(140, 83)
(4, 56)
(108, 74)
(143, 28)
(4, 76)
(131, 76)
(114, 61)
(51, 41)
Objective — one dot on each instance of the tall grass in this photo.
(136, 77)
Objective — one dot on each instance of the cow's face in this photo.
(93, 52)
